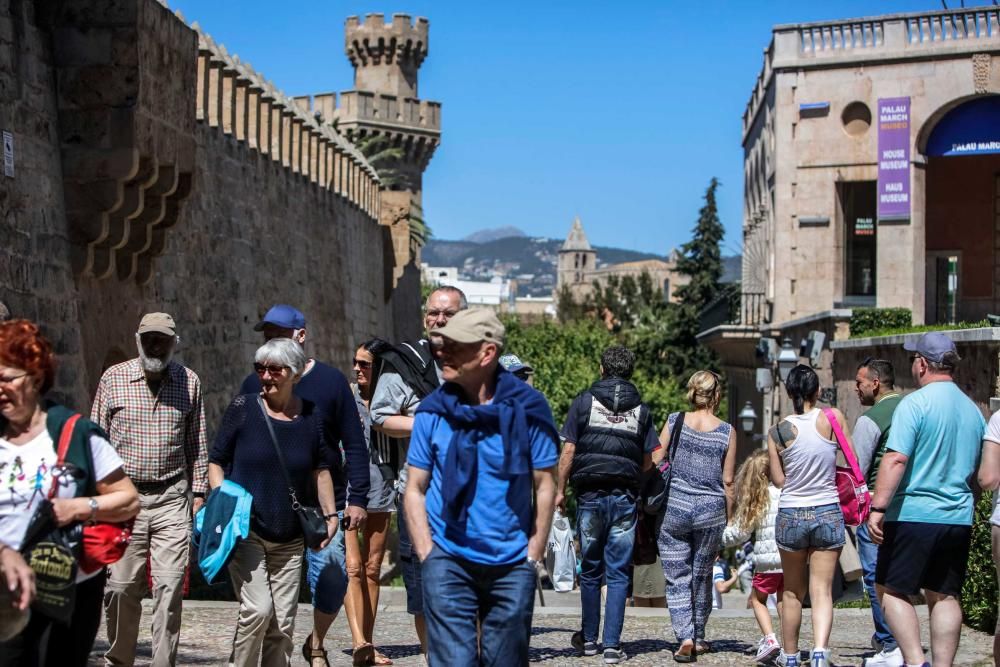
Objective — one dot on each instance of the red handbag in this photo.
(855, 500)
(103, 542)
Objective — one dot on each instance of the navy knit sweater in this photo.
(244, 450)
(329, 390)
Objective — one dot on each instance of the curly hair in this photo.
(704, 390)
(23, 346)
(752, 498)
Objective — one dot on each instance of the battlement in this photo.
(375, 42)
(236, 99)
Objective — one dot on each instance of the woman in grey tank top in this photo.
(809, 528)
(699, 504)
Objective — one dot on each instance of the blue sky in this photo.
(617, 112)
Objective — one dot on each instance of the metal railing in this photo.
(735, 307)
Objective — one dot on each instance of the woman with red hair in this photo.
(88, 485)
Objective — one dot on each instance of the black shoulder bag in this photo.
(310, 518)
(656, 487)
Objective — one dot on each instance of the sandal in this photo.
(702, 646)
(381, 659)
(686, 652)
(364, 655)
(310, 653)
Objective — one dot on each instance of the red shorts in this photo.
(771, 582)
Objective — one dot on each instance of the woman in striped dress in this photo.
(698, 508)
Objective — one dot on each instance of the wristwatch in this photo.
(532, 562)
(880, 510)
(92, 503)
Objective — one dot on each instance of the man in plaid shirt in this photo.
(151, 407)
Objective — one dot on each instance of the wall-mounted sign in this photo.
(864, 227)
(8, 154)
(894, 158)
(971, 128)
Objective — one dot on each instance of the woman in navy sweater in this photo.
(266, 567)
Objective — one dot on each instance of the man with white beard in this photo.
(151, 408)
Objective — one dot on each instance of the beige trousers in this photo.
(163, 532)
(265, 578)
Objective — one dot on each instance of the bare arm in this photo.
(989, 466)
(324, 491)
(890, 472)
(18, 577)
(729, 474)
(415, 503)
(215, 475)
(565, 465)
(657, 455)
(545, 486)
(777, 468)
(117, 500)
(397, 426)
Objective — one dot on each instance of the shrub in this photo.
(866, 320)
(979, 595)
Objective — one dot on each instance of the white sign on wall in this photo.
(8, 154)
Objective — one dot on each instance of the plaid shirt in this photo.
(158, 436)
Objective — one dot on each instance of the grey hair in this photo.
(284, 351)
(463, 303)
(949, 361)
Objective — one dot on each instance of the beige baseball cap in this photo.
(157, 323)
(472, 326)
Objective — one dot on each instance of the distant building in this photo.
(578, 268)
(498, 292)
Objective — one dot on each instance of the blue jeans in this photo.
(326, 572)
(457, 592)
(606, 532)
(868, 553)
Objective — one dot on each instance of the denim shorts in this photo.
(326, 573)
(820, 527)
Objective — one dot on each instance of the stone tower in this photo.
(384, 103)
(576, 260)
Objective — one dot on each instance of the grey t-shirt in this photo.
(866, 436)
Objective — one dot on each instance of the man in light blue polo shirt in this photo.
(482, 445)
(923, 505)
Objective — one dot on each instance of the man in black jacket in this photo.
(609, 434)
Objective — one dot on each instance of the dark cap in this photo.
(283, 316)
(932, 346)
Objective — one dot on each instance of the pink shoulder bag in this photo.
(855, 500)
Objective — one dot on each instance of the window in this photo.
(857, 202)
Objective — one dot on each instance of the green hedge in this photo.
(864, 321)
(979, 595)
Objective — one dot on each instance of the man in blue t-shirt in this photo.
(329, 390)
(922, 508)
(482, 445)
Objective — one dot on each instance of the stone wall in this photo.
(273, 207)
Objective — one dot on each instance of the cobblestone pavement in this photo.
(208, 627)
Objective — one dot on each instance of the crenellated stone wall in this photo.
(154, 171)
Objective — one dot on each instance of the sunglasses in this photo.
(273, 370)
(362, 364)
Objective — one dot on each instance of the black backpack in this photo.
(414, 364)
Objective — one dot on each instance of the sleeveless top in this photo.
(810, 465)
(697, 466)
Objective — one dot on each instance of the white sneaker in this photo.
(767, 649)
(883, 658)
(820, 657)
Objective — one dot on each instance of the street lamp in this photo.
(788, 359)
(748, 418)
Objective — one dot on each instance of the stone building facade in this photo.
(152, 170)
(872, 178)
(578, 268)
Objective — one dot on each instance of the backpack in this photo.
(414, 363)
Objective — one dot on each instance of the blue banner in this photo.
(972, 128)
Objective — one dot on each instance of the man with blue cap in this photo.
(922, 508)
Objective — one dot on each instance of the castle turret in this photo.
(576, 260)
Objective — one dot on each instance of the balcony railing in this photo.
(734, 307)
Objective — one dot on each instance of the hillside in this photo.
(532, 261)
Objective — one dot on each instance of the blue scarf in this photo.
(515, 407)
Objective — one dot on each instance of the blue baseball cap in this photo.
(512, 363)
(931, 346)
(282, 316)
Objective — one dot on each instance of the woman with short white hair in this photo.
(266, 567)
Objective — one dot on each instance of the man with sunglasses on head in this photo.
(151, 408)
(410, 374)
(922, 508)
(329, 390)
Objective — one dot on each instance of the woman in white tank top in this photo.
(809, 528)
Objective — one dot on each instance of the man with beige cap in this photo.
(151, 408)
(483, 445)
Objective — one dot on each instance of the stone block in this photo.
(77, 47)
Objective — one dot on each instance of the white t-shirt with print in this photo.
(993, 435)
(26, 477)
